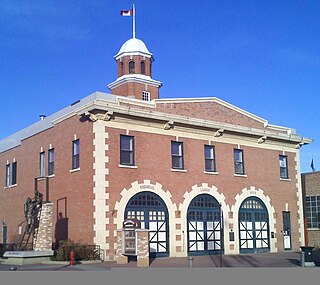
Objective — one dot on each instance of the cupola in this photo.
(134, 63)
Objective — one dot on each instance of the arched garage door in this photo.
(150, 209)
(205, 231)
(253, 226)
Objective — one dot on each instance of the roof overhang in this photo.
(134, 78)
(104, 106)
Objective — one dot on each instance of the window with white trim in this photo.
(14, 173)
(42, 164)
(51, 161)
(238, 161)
(11, 174)
(283, 162)
(7, 175)
(177, 155)
(313, 211)
(127, 150)
(209, 158)
(145, 95)
(76, 154)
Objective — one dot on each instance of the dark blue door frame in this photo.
(253, 226)
(152, 212)
(204, 226)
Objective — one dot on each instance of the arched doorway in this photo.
(205, 230)
(253, 226)
(150, 209)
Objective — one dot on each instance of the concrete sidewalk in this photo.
(284, 259)
(271, 260)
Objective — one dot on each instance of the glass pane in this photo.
(76, 147)
(283, 161)
(209, 165)
(283, 173)
(200, 245)
(176, 148)
(238, 155)
(126, 157)
(75, 162)
(51, 155)
(131, 67)
(126, 143)
(176, 162)
(238, 168)
(143, 67)
(208, 151)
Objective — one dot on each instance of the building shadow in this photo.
(294, 261)
(61, 229)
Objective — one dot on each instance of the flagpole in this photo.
(134, 22)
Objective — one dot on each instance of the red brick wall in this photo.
(311, 186)
(133, 88)
(137, 59)
(209, 111)
(153, 159)
(76, 187)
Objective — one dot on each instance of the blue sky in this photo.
(261, 56)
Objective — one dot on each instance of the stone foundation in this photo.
(27, 257)
(43, 241)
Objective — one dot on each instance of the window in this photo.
(126, 150)
(313, 211)
(51, 161)
(143, 67)
(238, 161)
(42, 171)
(177, 155)
(14, 173)
(76, 154)
(121, 68)
(11, 174)
(145, 95)
(283, 166)
(7, 175)
(209, 158)
(131, 67)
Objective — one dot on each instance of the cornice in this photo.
(135, 78)
(217, 127)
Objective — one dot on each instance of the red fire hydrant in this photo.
(71, 258)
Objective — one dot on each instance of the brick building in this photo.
(311, 194)
(202, 175)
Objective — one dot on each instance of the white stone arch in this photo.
(136, 187)
(259, 193)
(183, 207)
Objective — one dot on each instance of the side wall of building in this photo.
(311, 188)
(70, 191)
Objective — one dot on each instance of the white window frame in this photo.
(177, 156)
(283, 164)
(42, 164)
(211, 158)
(8, 174)
(76, 154)
(239, 162)
(145, 95)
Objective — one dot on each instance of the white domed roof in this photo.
(132, 47)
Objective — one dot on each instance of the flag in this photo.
(127, 12)
(312, 166)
